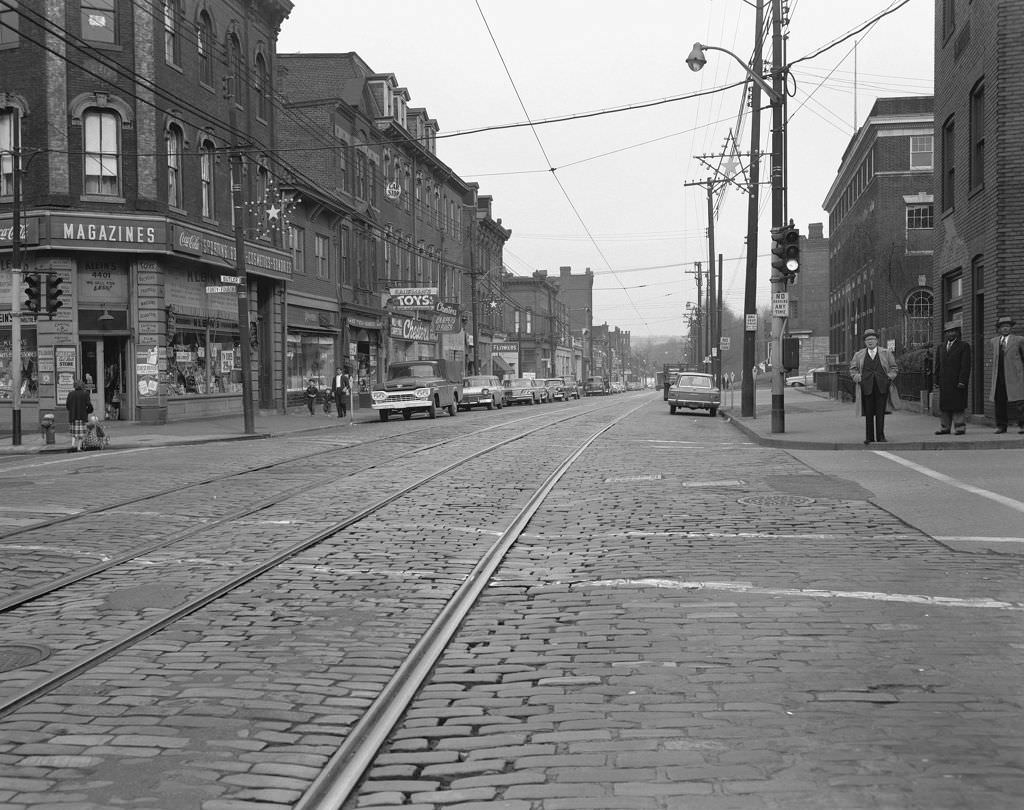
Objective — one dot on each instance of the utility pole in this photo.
(16, 278)
(698, 315)
(230, 85)
(750, 286)
(778, 215)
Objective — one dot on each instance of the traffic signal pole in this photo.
(778, 379)
(16, 291)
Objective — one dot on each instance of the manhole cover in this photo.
(16, 656)
(775, 500)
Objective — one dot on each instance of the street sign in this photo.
(217, 288)
(724, 343)
(750, 323)
(230, 279)
(780, 305)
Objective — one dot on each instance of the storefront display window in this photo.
(204, 357)
(29, 364)
(309, 357)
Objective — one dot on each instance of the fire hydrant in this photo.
(46, 428)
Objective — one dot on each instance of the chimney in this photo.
(814, 230)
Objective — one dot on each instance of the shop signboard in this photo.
(410, 329)
(147, 371)
(407, 298)
(65, 363)
(446, 317)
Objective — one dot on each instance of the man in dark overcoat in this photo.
(952, 374)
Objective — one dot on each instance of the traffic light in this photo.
(33, 292)
(791, 254)
(54, 293)
(785, 251)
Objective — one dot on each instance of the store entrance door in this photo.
(103, 371)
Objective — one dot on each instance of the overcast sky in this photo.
(617, 201)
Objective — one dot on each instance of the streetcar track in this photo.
(196, 603)
(110, 561)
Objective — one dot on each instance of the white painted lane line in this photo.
(1012, 503)
(746, 587)
(958, 539)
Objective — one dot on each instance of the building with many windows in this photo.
(881, 213)
(119, 128)
(979, 238)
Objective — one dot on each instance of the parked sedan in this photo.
(694, 391)
(556, 389)
(807, 378)
(524, 391)
(486, 391)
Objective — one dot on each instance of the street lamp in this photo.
(696, 60)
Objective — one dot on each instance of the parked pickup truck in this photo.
(418, 385)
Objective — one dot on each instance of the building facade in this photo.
(978, 240)
(121, 128)
(881, 214)
(538, 322)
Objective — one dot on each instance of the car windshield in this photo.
(418, 370)
(693, 381)
(476, 381)
(521, 383)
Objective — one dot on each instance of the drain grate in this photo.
(16, 656)
(775, 500)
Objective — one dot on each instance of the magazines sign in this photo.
(410, 298)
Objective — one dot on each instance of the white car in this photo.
(801, 380)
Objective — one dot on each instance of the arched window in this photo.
(237, 68)
(262, 88)
(204, 48)
(918, 313)
(9, 119)
(207, 154)
(102, 148)
(172, 44)
(175, 147)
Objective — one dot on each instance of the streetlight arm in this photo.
(696, 61)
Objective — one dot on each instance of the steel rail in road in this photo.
(27, 595)
(347, 765)
(53, 681)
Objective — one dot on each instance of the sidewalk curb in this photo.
(808, 444)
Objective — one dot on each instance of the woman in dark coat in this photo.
(952, 374)
(79, 407)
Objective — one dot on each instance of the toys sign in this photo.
(413, 298)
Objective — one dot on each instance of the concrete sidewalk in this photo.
(812, 421)
(126, 435)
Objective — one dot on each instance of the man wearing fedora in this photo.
(1007, 375)
(873, 369)
(952, 374)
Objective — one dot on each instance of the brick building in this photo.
(881, 211)
(979, 110)
(125, 119)
(538, 323)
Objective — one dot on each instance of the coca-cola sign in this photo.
(28, 233)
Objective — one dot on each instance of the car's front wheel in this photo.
(671, 408)
(384, 415)
(432, 410)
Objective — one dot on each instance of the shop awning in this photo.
(500, 365)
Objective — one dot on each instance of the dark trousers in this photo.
(874, 405)
(341, 400)
(1005, 407)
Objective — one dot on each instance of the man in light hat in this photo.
(1007, 375)
(952, 374)
(873, 369)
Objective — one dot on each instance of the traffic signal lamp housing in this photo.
(54, 293)
(785, 252)
(33, 293)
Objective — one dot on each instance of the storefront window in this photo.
(309, 357)
(29, 364)
(204, 357)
